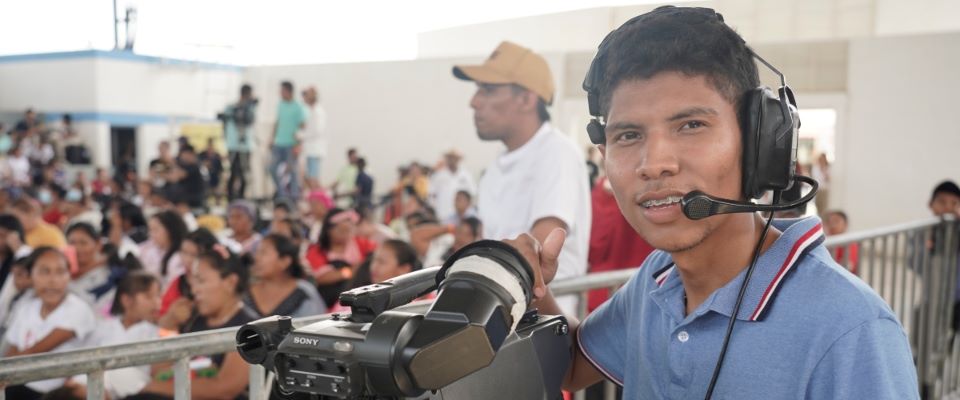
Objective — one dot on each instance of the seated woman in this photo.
(159, 253)
(95, 279)
(54, 320)
(278, 287)
(177, 303)
(392, 259)
(220, 279)
(338, 241)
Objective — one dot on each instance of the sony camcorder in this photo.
(476, 340)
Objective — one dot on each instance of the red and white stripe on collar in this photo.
(800, 247)
(661, 276)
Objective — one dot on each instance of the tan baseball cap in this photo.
(512, 63)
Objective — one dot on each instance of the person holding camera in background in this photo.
(237, 127)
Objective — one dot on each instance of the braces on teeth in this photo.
(657, 203)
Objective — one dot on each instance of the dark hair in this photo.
(474, 224)
(40, 252)
(405, 253)
(176, 231)
(542, 112)
(324, 239)
(945, 187)
(67, 118)
(361, 163)
(352, 150)
(203, 238)
(131, 284)
(231, 265)
(11, 223)
(287, 248)
(692, 41)
(246, 90)
(296, 229)
(133, 214)
(287, 85)
(86, 228)
(280, 203)
(465, 193)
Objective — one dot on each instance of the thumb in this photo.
(552, 246)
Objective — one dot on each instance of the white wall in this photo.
(175, 90)
(902, 135)
(393, 112)
(101, 88)
(48, 84)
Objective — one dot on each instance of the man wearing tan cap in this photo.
(539, 183)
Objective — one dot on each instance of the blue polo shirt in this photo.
(807, 329)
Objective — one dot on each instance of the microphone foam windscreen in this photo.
(698, 207)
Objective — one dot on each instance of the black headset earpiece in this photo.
(770, 124)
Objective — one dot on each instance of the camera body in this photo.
(242, 115)
(475, 340)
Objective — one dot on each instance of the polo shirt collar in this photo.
(509, 158)
(774, 266)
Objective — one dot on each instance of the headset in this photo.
(769, 125)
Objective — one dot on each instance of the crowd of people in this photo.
(130, 256)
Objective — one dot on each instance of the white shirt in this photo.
(18, 169)
(546, 177)
(28, 328)
(444, 185)
(123, 382)
(314, 131)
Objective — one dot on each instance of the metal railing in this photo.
(912, 266)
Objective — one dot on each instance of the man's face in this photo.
(309, 97)
(495, 110)
(836, 224)
(452, 161)
(666, 136)
(945, 203)
(286, 94)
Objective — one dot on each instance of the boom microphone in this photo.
(699, 205)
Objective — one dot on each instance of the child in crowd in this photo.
(54, 320)
(135, 309)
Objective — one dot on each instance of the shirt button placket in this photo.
(683, 336)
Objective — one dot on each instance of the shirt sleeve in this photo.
(601, 336)
(872, 361)
(557, 193)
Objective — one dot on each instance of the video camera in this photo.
(241, 114)
(476, 340)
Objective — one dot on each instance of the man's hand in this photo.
(543, 259)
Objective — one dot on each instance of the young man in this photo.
(672, 83)
(537, 184)
(290, 120)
